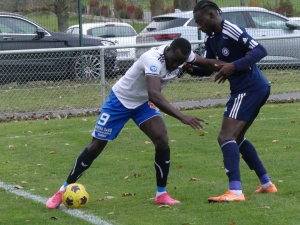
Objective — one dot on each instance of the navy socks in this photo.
(231, 156)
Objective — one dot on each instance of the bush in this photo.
(104, 11)
(138, 13)
(94, 3)
(120, 5)
(130, 11)
(254, 3)
(122, 14)
(170, 9)
(285, 8)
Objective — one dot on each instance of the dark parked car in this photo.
(19, 33)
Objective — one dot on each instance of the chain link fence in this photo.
(49, 80)
(78, 79)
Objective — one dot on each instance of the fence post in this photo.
(102, 76)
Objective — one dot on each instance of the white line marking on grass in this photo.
(73, 212)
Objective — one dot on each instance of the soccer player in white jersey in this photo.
(137, 96)
(249, 88)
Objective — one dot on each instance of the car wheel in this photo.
(87, 67)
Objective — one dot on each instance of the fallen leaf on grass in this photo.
(18, 187)
(137, 175)
(10, 146)
(52, 152)
(54, 218)
(128, 194)
(164, 206)
(148, 142)
(194, 179)
(109, 197)
(275, 141)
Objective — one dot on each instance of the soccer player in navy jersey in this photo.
(137, 96)
(250, 90)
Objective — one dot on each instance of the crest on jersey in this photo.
(245, 40)
(225, 51)
(153, 68)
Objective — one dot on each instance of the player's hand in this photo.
(193, 121)
(226, 70)
(187, 67)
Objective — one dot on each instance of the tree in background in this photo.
(58, 7)
(184, 5)
(157, 7)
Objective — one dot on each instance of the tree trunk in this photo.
(184, 5)
(157, 7)
(60, 8)
(242, 2)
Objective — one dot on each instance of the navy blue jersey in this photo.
(232, 45)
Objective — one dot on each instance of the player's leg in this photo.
(152, 124)
(248, 151)
(231, 157)
(111, 120)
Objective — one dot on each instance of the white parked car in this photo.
(296, 19)
(119, 33)
(258, 22)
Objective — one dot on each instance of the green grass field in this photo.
(82, 95)
(38, 155)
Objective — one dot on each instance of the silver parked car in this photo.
(259, 22)
(117, 32)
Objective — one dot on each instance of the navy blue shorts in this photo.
(114, 115)
(245, 106)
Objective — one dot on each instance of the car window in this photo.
(268, 21)
(69, 30)
(75, 30)
(12, 25)
(112, 31)
(162, 23)
(235, 17)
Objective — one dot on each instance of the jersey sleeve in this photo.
(151, 66)
(254, 51)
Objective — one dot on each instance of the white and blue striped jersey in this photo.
(131, 89)
(231, 45)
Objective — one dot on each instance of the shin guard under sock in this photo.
(83, 162)
(231, 156)
(162, 166)
(250, 156)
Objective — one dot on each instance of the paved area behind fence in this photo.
(189, 105)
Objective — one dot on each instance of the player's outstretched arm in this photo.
(156, 97)
(211, 64)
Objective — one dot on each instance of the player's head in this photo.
(207, 16)
(177, 53)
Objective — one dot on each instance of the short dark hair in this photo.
(182, 44)
(206, 4)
